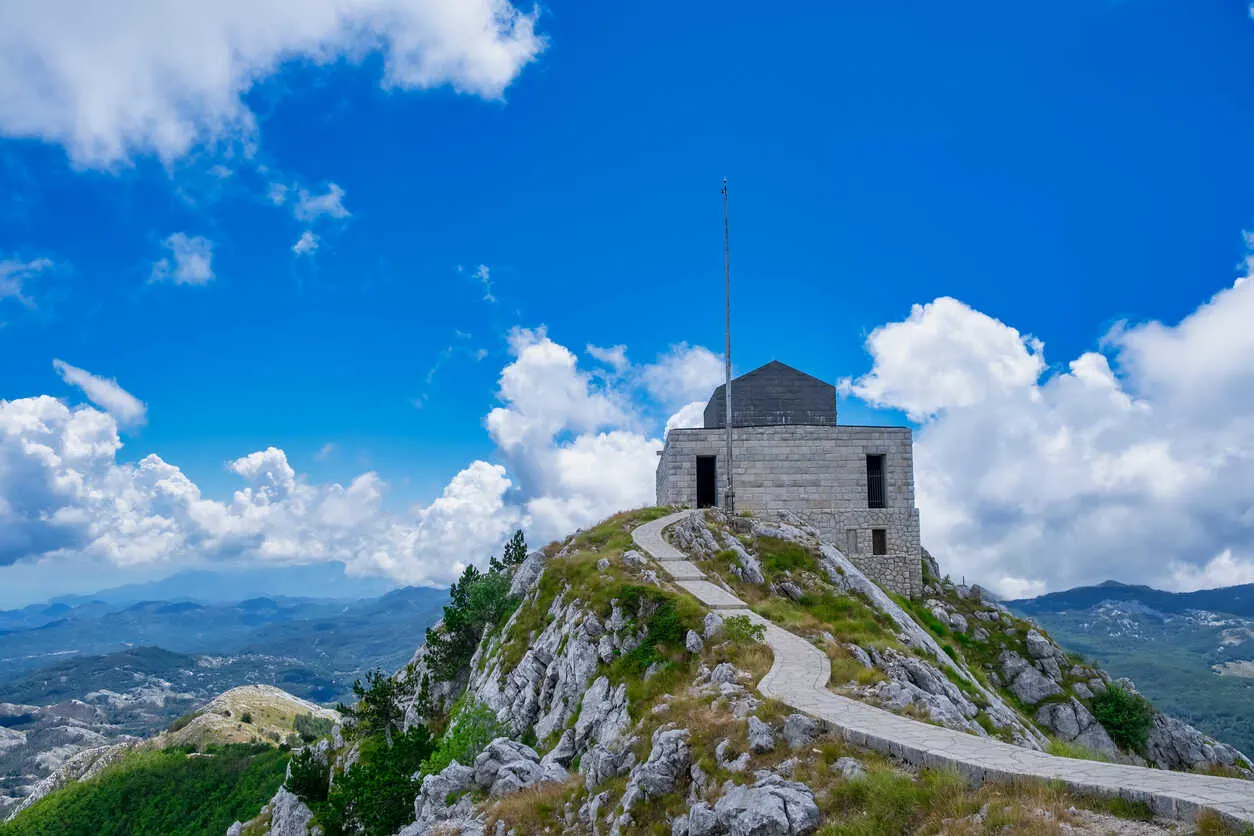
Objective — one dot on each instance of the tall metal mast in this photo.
(729, 499)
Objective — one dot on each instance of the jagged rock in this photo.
(592, 627)
(235, 829)
(289, 816)
(914, 682)
(1174, 744)
(724, 672)
(668, 762)
(591, 810)
(507, 766)
(770, 807)
(700, 783)
(563, 752)
(1072, 722)
(1039, 647)
(761, 738)
(849, 768)
(701, 820)
(603, 564)
(713, 624)
(750, 569)
(860, 655)
(692, 535)
(601, 763)
(603, 715)
(631, 557)
(930, 567)
(1050, 667)
(723, 755)
(787, 589)
(979, 634)
(693, 642)
(527, 574)
(957, 622)
(1030, 686)
(1082, 691)
(1097, 685)
(800, 730)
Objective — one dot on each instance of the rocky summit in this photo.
(585, 690)
(694, 674)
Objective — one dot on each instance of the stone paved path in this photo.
(799, 676)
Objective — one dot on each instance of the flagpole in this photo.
(729, 499)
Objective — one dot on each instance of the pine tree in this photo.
(515, 549)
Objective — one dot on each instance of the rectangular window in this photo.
(879, 541)
(875, 482)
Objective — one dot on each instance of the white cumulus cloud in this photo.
(1135, 463)
(105, 393)
(190, 261)
(109, 81)
(571, 449)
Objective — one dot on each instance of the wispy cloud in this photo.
(307, 244)
(104, 393)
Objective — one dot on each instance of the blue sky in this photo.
(1056, 170)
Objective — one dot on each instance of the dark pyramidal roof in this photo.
(774, 395)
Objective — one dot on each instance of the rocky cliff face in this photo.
(621, 706)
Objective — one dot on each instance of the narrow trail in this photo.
(799, 677)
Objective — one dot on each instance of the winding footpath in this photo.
(800, 673)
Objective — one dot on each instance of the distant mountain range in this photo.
(1192, 653)
(1234, 600)
(81, 672)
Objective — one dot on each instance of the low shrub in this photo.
(1126, 716)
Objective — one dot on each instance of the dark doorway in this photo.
(707, 493)
(879, 541)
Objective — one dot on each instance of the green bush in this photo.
(474, 727)
(311, 727)
(308, 777)
(376, 795)
(246, 718)
(164, 792)
(1127, 717)
(476, 601)
(740, 630)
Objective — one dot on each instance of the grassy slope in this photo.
(168, 791)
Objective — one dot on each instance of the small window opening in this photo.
(879, 541)
(875, 481)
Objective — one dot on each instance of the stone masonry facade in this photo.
(818, 471)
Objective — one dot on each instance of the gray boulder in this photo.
(772, 806)
(1039, 647)
(527, 574)
(1174, 744)
(601, 763)
(1031, 686)
(693, 642)
(761, 738)
(431, 805)
(800, 730)
(1072, 722)
(507, 766)
(849, 768)
(288, 814)
(668, 763)
(713, 624)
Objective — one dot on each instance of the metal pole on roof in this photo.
(729, 499)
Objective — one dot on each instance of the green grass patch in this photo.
(779, 556)
(1063, 749)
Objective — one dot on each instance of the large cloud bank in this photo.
(1135, 463)
(570, 441)
(109, 80)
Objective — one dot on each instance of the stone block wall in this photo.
(819, 473)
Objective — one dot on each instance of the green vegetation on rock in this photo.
(1126, 716)
(171, 792)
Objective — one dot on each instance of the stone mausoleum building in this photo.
(854, 484)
